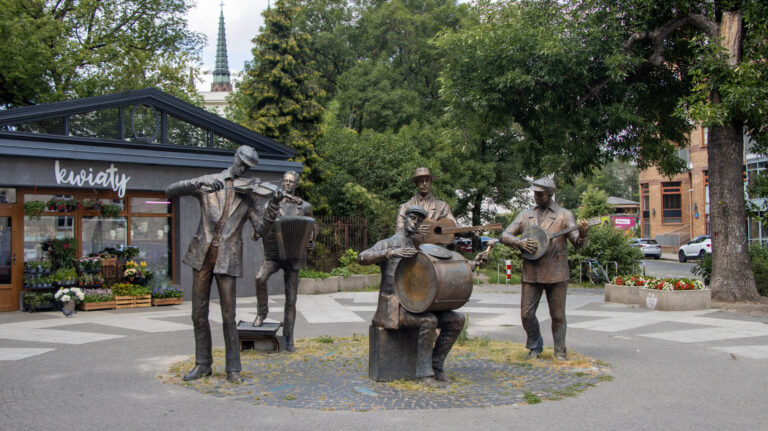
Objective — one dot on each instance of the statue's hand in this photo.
(482, 257)
(311, 245)
(208, 185)
(424, 229)
(403, 252)
(529, 245)
(583, 227)
(277, 196)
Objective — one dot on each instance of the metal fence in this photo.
(337, 235)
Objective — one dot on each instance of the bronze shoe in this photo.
(259, 320)
(441, 377)
(197, 372)
(234, 377)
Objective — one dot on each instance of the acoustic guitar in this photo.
(443, 231)
(542, 237)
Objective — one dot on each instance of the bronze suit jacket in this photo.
(436, 210)
(553, 266)
(229, 259)
(388, 310)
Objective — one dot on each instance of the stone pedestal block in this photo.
(622, 294)
(675, 300)
(392, 353)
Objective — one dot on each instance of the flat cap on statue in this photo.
(543, 185)
(416, 209)
(422, 172)
(248, 155)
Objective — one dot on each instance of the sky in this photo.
(242, 20)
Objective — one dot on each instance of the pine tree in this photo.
(280, 94)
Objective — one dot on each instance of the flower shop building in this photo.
(84, 176)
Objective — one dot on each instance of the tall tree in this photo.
(280, 92)
(588, 81)
(56, 50)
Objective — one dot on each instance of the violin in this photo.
(262, 189)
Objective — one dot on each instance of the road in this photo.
(668, 268)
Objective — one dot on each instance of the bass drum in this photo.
(435, 279)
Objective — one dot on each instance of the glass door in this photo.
(10, 258)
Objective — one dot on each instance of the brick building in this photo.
(674, 210)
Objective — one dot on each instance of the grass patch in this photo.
(531, 398)
(495, 277)
(324, 339)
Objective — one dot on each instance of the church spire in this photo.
(221, 71)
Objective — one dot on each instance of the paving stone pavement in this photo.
(339, 381)
(695, 370)
(490, 313)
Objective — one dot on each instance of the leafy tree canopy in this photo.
(57, 50)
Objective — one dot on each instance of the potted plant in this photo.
(62, 251)
(91, 205)
(137, 273)
(34, 209)
(69, 297)
(110, 210)
(34, 301)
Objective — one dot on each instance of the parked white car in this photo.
(696, 248)
(648, 246)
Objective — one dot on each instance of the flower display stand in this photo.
(675, 300)
(622, 294)
(133, 301)
(90, 306)
(166, 301)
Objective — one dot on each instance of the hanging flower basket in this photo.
(64, 205)
(110, 210)
(34, 209)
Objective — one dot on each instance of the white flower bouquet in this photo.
(69, 294)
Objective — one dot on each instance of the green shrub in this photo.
(758, 256)
(759, 259)
(703, 268)
(607, 244)
(311, 273)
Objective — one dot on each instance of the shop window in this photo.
(37, 231)
(671, 203)
(150, 206)
(152, 235)
(181, 132)
(95, 124)
(7, 195)
(99, 233)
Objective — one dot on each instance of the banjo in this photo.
(542, 238)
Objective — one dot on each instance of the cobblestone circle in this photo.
(333, 381)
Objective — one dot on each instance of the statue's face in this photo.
(542, 199)
(239, 167)
(412, 223)
(424, 184)
(290, 182)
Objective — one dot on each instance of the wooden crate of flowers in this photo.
(97, 298)
(166, 296)
(129, 295)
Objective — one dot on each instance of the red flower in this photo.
(66, 245)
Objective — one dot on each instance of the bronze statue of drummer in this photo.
(390, 314)
(550, 272)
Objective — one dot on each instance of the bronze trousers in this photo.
(201, 294)
(529, 302)
(430, 359)
(291, 280)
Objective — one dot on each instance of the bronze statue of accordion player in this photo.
(285, 247)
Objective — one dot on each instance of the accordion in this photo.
(288, 238)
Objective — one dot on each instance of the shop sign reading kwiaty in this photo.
(106, 178)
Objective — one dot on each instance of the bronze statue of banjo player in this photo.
(546, 266)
